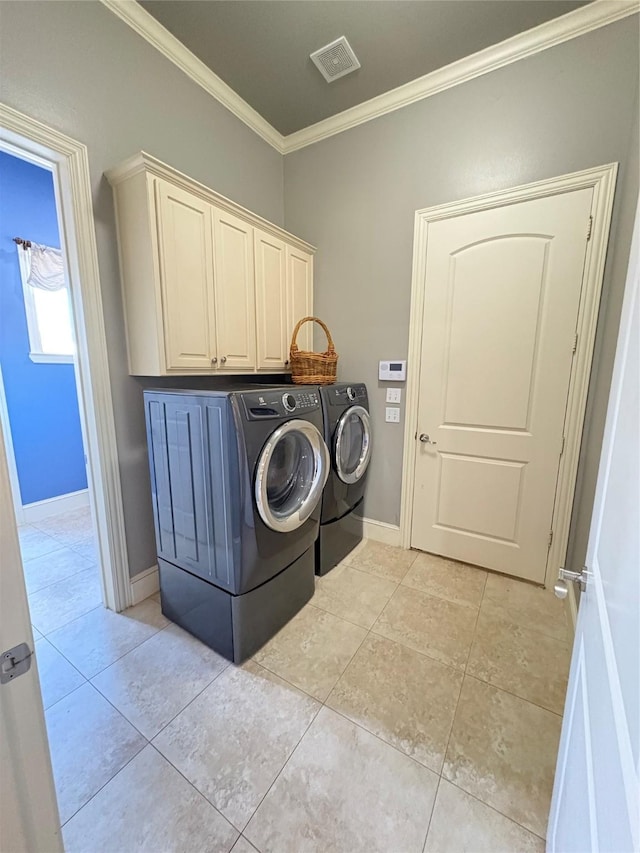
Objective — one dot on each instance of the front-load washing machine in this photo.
(236, 480)
(347, 432)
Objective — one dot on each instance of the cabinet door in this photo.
(271, 301)
(235, 293)
(185, 247)
(299, 296)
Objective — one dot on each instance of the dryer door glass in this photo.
(352, 450)
(291, 474)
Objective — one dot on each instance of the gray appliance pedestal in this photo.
(236, 626)
(337, 540)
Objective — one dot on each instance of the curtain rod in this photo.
(26, 244)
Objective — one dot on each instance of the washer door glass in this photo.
(352, 450)
(291, 474)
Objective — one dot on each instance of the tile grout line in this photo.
(148, 741)
(59, 580)
(433, 808)
(455, 712)
(110, 779)
(124, 654)
(75, 619)
(293, 751)
(323, 704)
(493, 808)
(511, 693)
(196, 789)
(177, 714)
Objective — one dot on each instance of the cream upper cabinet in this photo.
(300, 295)
(185, 249)
(234, 292)
(272, 327)
(208, 287)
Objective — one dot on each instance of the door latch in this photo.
(15, 662)
(561, 589)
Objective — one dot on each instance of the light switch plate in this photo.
(394, 395)
(392, 415)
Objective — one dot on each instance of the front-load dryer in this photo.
(236, 480)
(347, 432)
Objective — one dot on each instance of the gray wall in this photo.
(78, 68)
(354, 196)
(605, 350)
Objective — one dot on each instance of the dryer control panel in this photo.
(342, 395)
(280, 403)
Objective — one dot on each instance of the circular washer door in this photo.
(352, 447)
(292, 471)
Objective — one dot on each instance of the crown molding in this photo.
(142, 162)
(551, 33)
(133, 14)
(581, 21)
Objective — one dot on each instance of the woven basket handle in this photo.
(294, 346)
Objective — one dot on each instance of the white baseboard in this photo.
(38, 510)
(381, 531)
(144, 584)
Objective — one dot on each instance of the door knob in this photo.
(223, 359)
(214, 360)
(424, 438)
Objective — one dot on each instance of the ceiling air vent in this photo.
(335, 60)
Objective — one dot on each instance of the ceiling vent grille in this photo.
(335, 60)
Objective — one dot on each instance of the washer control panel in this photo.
(276, 403)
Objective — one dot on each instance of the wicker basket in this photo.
(313, 368)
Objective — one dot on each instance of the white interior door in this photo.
(596, 799)
(502, 291)
(28, 809)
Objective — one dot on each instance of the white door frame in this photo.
(68, 161)
(602, 179)
(14, 482)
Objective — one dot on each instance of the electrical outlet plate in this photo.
(392, 415)
(394, 395)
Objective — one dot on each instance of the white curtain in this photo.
(42, 267)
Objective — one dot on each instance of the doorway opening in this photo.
(92, 506)
(39, 408)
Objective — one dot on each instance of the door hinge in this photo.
(575, 343)
(590, 228)
(550, 540)
(14, 662)
(581, 578)
(562, 446)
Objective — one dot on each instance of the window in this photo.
(48, 318)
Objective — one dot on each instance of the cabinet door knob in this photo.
(223, 359)
(214, 360)
(286, 364)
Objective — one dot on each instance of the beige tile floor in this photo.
(413, 705)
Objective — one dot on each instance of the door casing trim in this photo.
(68, 161)
(603, 180)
